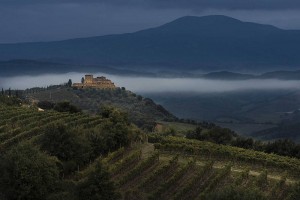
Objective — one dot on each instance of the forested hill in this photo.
(144, 112)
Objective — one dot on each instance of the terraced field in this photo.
(143, 172)
(164, 167)
(23, 123)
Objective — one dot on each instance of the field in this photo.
(156, 167)
(169, 173)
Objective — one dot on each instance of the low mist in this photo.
(150, 85)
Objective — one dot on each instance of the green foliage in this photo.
(232, 192)
(79, 140)
(139, 168)
(66, 107)
(215, 180)
(47, 105)
(169, 131)
(176, 177)
(194, 147)
(27, 173)
(295, 194)
(66, 144)
(193, 182)
(97, 186)
(114, 114)
(114, 131)
(142, 112)
(225, 136)
(69, 84)
(132, 158)
(283, 147)
(160, 171)
(262, 179)
(216, 134)
(10, 100)
(113, 155)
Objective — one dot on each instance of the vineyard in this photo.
(18, 124)
(173, 174)
(152, 167)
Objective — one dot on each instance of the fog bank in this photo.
(150, 85)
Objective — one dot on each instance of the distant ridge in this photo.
(31, 67)
(208, 43)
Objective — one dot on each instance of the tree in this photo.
(139, 97)
(216, 134)
(47, 105)
(196, 134)
(70, 83)
(2, 92)
(66, 107)
(66, 144)
(9, 92)
(97, 186)
(27, 173)
(82, 80)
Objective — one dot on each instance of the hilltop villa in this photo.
(98, 83)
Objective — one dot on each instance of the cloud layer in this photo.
(154, 85)
(200, 4)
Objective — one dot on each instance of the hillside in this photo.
(186, 43)
(142, 111)
(70, 153)
(259, 114)
(247, 112)
(288, 128)
(13, 68)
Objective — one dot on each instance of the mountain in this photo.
(284, 75)
(33, 67)
(206, 43)
(225, 75)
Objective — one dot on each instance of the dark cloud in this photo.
(198, 4)
(44, 20)
(231, 4)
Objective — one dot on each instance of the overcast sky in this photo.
(46, 20)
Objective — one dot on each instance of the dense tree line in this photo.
(27, 173)
(227, 137)
(64, 106)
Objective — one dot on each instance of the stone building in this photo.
(96, 83)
